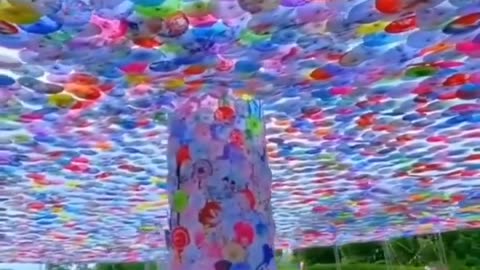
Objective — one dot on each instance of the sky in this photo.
(19, 266)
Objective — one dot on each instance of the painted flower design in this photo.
(234, 252)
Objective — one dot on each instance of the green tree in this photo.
(317, 255)
(65, 266)
(127, 266)
(362, 253)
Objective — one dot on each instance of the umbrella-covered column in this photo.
(221, 217)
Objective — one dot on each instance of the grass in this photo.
(287, 266)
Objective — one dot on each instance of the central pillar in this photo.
(219, 186)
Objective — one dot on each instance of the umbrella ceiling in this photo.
(372, 111)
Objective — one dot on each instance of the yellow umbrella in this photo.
(18, 12)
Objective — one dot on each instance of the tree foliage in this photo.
(461, 250)
(65, 266)
(127, 266)
(70, 266)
